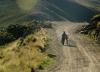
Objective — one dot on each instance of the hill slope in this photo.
(25, 54)
(52, 10)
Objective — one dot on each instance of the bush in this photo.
(93, 29)
(13, 32)
(16, 30)
(5, 37)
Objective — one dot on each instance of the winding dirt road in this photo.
(77, 57)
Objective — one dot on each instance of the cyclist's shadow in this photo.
(71, 43)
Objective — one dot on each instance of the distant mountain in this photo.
(63, 10)
(94, 4)
(52, 10)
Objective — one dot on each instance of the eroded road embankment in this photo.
(77, 57)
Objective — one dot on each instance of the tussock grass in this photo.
(16, 57)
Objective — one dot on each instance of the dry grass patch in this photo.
(17, 57)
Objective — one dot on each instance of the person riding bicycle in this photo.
(64, 38)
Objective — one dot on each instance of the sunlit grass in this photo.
(15, 58)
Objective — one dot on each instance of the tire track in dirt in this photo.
(77, 59)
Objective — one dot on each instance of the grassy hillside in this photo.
(22, 48)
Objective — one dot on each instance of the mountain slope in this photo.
(64, 10)
(52, 10)
(94, 4)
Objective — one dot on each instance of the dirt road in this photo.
(77, 57)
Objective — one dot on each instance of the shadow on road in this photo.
(71, 43)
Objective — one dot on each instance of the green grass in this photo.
(45, 63)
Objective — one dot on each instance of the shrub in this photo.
(13, 32)
(5, 37)
(93, 29)
(17, 30)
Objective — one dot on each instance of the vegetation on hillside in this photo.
(22, 48)
(93, 29)
(15, 31)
